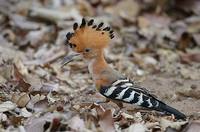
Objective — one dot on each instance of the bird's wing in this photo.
(128, 91)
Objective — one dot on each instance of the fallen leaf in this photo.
(23, 100)
(151, 125)
(190, 57)
(53, 15)
(143, 22)
(138, 117)
(76, 123)
(35, 124)
(193, 126)
(136, 127)
(7, 106)
(127, 116)
(22, 23)
(188, 5)
(36, 37)
(55, 125)
(25, 113)
(126, 9)
(196, 38)
(9, 35)
(16, 121)
(106, 121)
(50, 98)
(49, 87)
(184, 41)
(34, 99)
(41, 105)
(100, 110)
(164, 123)
(192, 93)
(153, 20)
(3, 117)
(21, 128)
(22, 84)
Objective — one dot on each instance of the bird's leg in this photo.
(105, 101)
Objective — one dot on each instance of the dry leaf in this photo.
(164, 123)
(36, 37)
(35, 124)
(55, 125)
(50, 98)
(99, 109)
(189, 5)
(25, 113)
(196, 38)
(138, 117)
(193, 126)
(22, 23)
(53, 15)
(16, 121)
(22, 84)
(127, 116)
(21, 128)
(7, 106)
(23, 100)
(77, 124)
(106, 122)
(188, 58)
(184, 41)
(3, 117)
(35, 99)
(192, 93)
(126, 9)
(143, 22)
(137, 127)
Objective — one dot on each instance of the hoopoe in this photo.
(89, 41)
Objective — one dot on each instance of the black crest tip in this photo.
(112, 36)
(94, 26)
(90, 22)
(83, 23)
(106, 29)
(111, 31)
(75, 26)
(68, 35)
(100, 25)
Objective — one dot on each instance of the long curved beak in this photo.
(67, 59)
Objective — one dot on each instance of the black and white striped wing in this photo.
(127, 91)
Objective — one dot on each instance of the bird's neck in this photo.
(98, 68)
(97, 64)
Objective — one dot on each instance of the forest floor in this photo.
(156, 44)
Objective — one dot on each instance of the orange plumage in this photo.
(90, 37)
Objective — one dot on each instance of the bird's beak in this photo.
(67, 59)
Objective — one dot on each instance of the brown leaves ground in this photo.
(157, 43)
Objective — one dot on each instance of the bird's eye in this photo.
(87, 50)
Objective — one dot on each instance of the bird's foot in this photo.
(101, 102)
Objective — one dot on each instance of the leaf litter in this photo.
(157, 44)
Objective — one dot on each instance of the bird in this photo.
(89, 40)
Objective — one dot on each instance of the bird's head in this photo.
(89, 39)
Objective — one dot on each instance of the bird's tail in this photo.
(169, 110)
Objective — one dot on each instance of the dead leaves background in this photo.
(157, 43)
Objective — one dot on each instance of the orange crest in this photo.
(89, 35)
